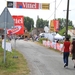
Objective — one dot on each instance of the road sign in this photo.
(6, 21)
(6, 17)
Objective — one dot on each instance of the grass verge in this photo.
(15, 63)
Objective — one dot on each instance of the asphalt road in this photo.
(43, 61)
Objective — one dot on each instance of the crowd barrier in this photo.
(8, 46)
(53, 45)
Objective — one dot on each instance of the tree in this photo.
(62, 31)
(28, 23)
(62, 23)
(40, 23)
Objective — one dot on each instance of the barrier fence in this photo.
(53, 45)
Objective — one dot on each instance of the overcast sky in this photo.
(44, 14)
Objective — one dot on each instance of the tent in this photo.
(58, 36)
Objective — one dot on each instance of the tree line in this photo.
(40, 23)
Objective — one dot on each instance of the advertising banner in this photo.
(18, 26)
(8, 46)
(28, 5)
(54, 45)
(54, 26)
(9, 4)
(46, 6)
(51, 26)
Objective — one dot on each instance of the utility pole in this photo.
(67, 15)
(37, 26)
(55, 10)
(54, 18)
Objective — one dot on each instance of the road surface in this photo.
(43, 61)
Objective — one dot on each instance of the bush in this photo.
(69, 36)
(41, 39)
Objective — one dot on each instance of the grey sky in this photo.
(45, 14)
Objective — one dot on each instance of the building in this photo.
(71, 32)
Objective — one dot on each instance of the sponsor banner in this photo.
(54, 26)
(8, 46)
(53, 45)
(44, 41)
(27, 5)
(9, 4)
(58, 46)
(18, 26)
(18, 20)
(15, 30)
(48, 43)
(46, 6)
(51, 26)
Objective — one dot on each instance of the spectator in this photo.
(73, 51)
(66, 51)
(2, 37)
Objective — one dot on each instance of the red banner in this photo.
(27, 5)
(18, 20)
(56, 25)
(18, 26)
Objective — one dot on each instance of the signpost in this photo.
(6, 22)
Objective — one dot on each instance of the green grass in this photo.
(13, 66)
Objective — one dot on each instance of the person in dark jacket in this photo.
(73, 51)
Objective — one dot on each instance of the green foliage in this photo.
(62, 23)
(13, 66)
(41, 40)
(28, 23)
(40, 23)
(63, 30)
(70, 27)
(69, 36)
(8, 62)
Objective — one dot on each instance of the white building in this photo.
(71, 32)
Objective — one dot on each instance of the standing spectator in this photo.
(2, 37)
(57, 41)
(66, 51)
(73, 51)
